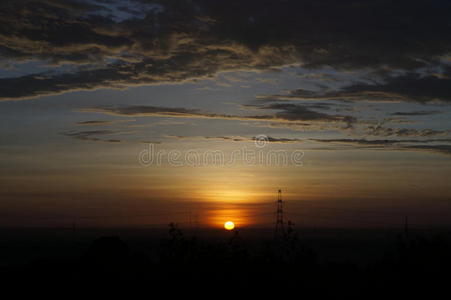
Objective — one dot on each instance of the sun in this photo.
(229, 225)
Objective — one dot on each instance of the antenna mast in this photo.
(280, 229)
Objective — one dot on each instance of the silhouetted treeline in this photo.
(186, 265)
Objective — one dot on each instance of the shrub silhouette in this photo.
(415, 266)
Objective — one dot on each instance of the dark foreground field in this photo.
(338, 263)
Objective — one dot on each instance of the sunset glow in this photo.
(123, 113)
(174, 148)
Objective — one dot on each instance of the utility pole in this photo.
(280, 229)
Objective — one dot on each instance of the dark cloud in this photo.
(264, 139)
(113, 141)
(296, 112)
(141, 110)
(94, 122)
(442, 149)
(284, 112)
(92, 135)
(416, 113)
(103, 122)
(271, 139)
(363, 141)
(220, 138)
(268, 139)
(171, 41)
(158, 111)
(429, 145)
(411, 87)
(379, 130)
(355, 141)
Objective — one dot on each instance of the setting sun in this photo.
(229, 225)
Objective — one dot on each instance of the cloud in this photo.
(268, 139)
(284, 113)
(92, 135)
(363, 141)
(271, 139)
(442, 149)
(296, 112)
(355, 141)
(113, 141)
(417, 113)
(94, 122)
(408, 145)
(100, 122)
(219, 138)
(428, 145)
(379, 130)
(117, 46)
(410, 87)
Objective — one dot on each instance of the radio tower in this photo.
(280, 229)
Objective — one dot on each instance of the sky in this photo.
(140, 113)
